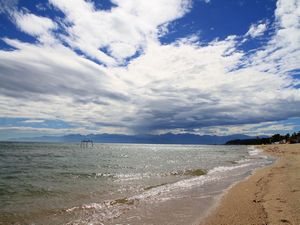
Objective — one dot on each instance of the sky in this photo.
(149, 67)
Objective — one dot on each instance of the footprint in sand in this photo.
(285, 221)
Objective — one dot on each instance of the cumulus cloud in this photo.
(32, 24)
(182, 86)
(35, 25)
(39, 69)
(281, 55)
(54, 82)
(256, 30)
(112, 36)
(177, 91)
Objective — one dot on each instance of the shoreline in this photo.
(271, 195)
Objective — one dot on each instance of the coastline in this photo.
(271, 195)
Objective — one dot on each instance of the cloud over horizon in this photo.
(108, 71)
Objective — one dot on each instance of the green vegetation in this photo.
(191, 172)
(276, 138)
(196, 172)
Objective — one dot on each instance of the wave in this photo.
(189, 172)
(85, 175)
(137, 176)
(162, 192)
(256, 152)
(221, 169)
(154, 186)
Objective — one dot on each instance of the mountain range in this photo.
(168, 138)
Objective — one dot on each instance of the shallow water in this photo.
(62, 183)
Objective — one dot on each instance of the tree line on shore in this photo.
(275, 139)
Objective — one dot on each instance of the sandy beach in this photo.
(270, 196)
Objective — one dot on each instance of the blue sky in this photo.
(131, 67)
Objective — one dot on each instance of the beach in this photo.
(270, 196)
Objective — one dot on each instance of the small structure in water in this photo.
(86, 143)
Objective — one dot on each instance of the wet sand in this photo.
(270, 196)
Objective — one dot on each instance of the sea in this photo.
(136, 184)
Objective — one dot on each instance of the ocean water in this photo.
(64, 183)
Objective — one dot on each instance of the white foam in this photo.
(132, 176)
(105, 211)
(256, 152)
(103, 175)
(72, 209)
(222, 169)
(242, 161)
(183, 184)
(96, 206)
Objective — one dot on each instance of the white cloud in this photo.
(282, 53)
(54, 82)
(32, 24)
(7, 6)
(256, 30)
(179, 86)
(266, 128)
(177, 91)
(122, 31)
(35, 25)
(33, 121)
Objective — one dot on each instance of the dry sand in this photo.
(270, 196)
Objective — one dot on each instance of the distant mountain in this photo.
(168, 138)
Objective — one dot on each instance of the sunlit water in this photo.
(57, 183)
